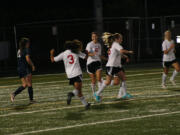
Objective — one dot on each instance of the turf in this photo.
(151, 111)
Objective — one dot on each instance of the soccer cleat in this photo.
(98, 98)
(163, 86)
(127, 95)
(12, 97)
(70, 95)
(172, 81)
(87, 106)
(32, 102)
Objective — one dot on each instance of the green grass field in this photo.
(152, 110)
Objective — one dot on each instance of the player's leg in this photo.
(164, 76)
(175, 73)
(123, 88)
(115, 81)
(30, 88)
(98, 76)
(20, 89)
(103, 86)
(93, 82)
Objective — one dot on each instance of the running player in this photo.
(169, 59)
(94, 68)
(25, 68)
(72, 67)
(113, 66)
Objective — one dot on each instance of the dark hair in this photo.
(22, 43)
(94, 33)
(71, 45)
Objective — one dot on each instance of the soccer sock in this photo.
(164, 76)
(99, 84)
(123, 88)
(30, 91)
(75, 92)
(93, 87)
(83, 100)
(19, 90)
(175, 73)
(112, 82)
(103, 86)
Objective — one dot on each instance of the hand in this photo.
(52, 51)
(127, 60)
(131, 52)
(33, 68)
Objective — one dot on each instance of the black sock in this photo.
(19, 90)
(30, 91)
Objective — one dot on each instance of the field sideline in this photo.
(151, 111)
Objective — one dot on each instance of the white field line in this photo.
(153, 73)
(85, 72)
(57, 86)
(46, 96)
(99, 122)
(78, 106)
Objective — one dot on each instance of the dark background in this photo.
(76, 20)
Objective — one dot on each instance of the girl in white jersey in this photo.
(168, 48)
(72, 67)
(114, 66)
(94, 68)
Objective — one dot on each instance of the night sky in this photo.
(30, 11)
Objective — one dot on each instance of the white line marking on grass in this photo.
(77, 106)
(99, 122)
(153, 73)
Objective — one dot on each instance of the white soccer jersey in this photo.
(92, 47)
(114, 59)
(71, 62)
(166, 45)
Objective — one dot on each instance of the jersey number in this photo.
(71, 59)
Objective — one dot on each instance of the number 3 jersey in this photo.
(71, 62)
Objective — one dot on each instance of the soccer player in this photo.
(72, 67)
(94, 68)
(169, 59)
(25, 68)
(113, 66)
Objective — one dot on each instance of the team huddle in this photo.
(114, 66)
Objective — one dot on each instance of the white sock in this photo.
(175, 73)
(112, 82)
(83, 101)
(93, 87)
(121, 92)
(103, 86)
(164, 76)
(75, 92)
(124, 87)
(99, 84)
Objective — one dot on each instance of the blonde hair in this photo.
(109, 38)
(165, 34)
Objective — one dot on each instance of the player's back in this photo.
(71, 63)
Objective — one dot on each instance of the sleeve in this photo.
(172, 42)
(27, 52)
(59, 57)
(164, 46)
(88, 48)
(118, 47)
(82, 55)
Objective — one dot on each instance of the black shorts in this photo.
(167, 64)
(24, 72)
(113, 71)
(93, 67)
(75, 79)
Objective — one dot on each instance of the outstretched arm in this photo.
(52, 55)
